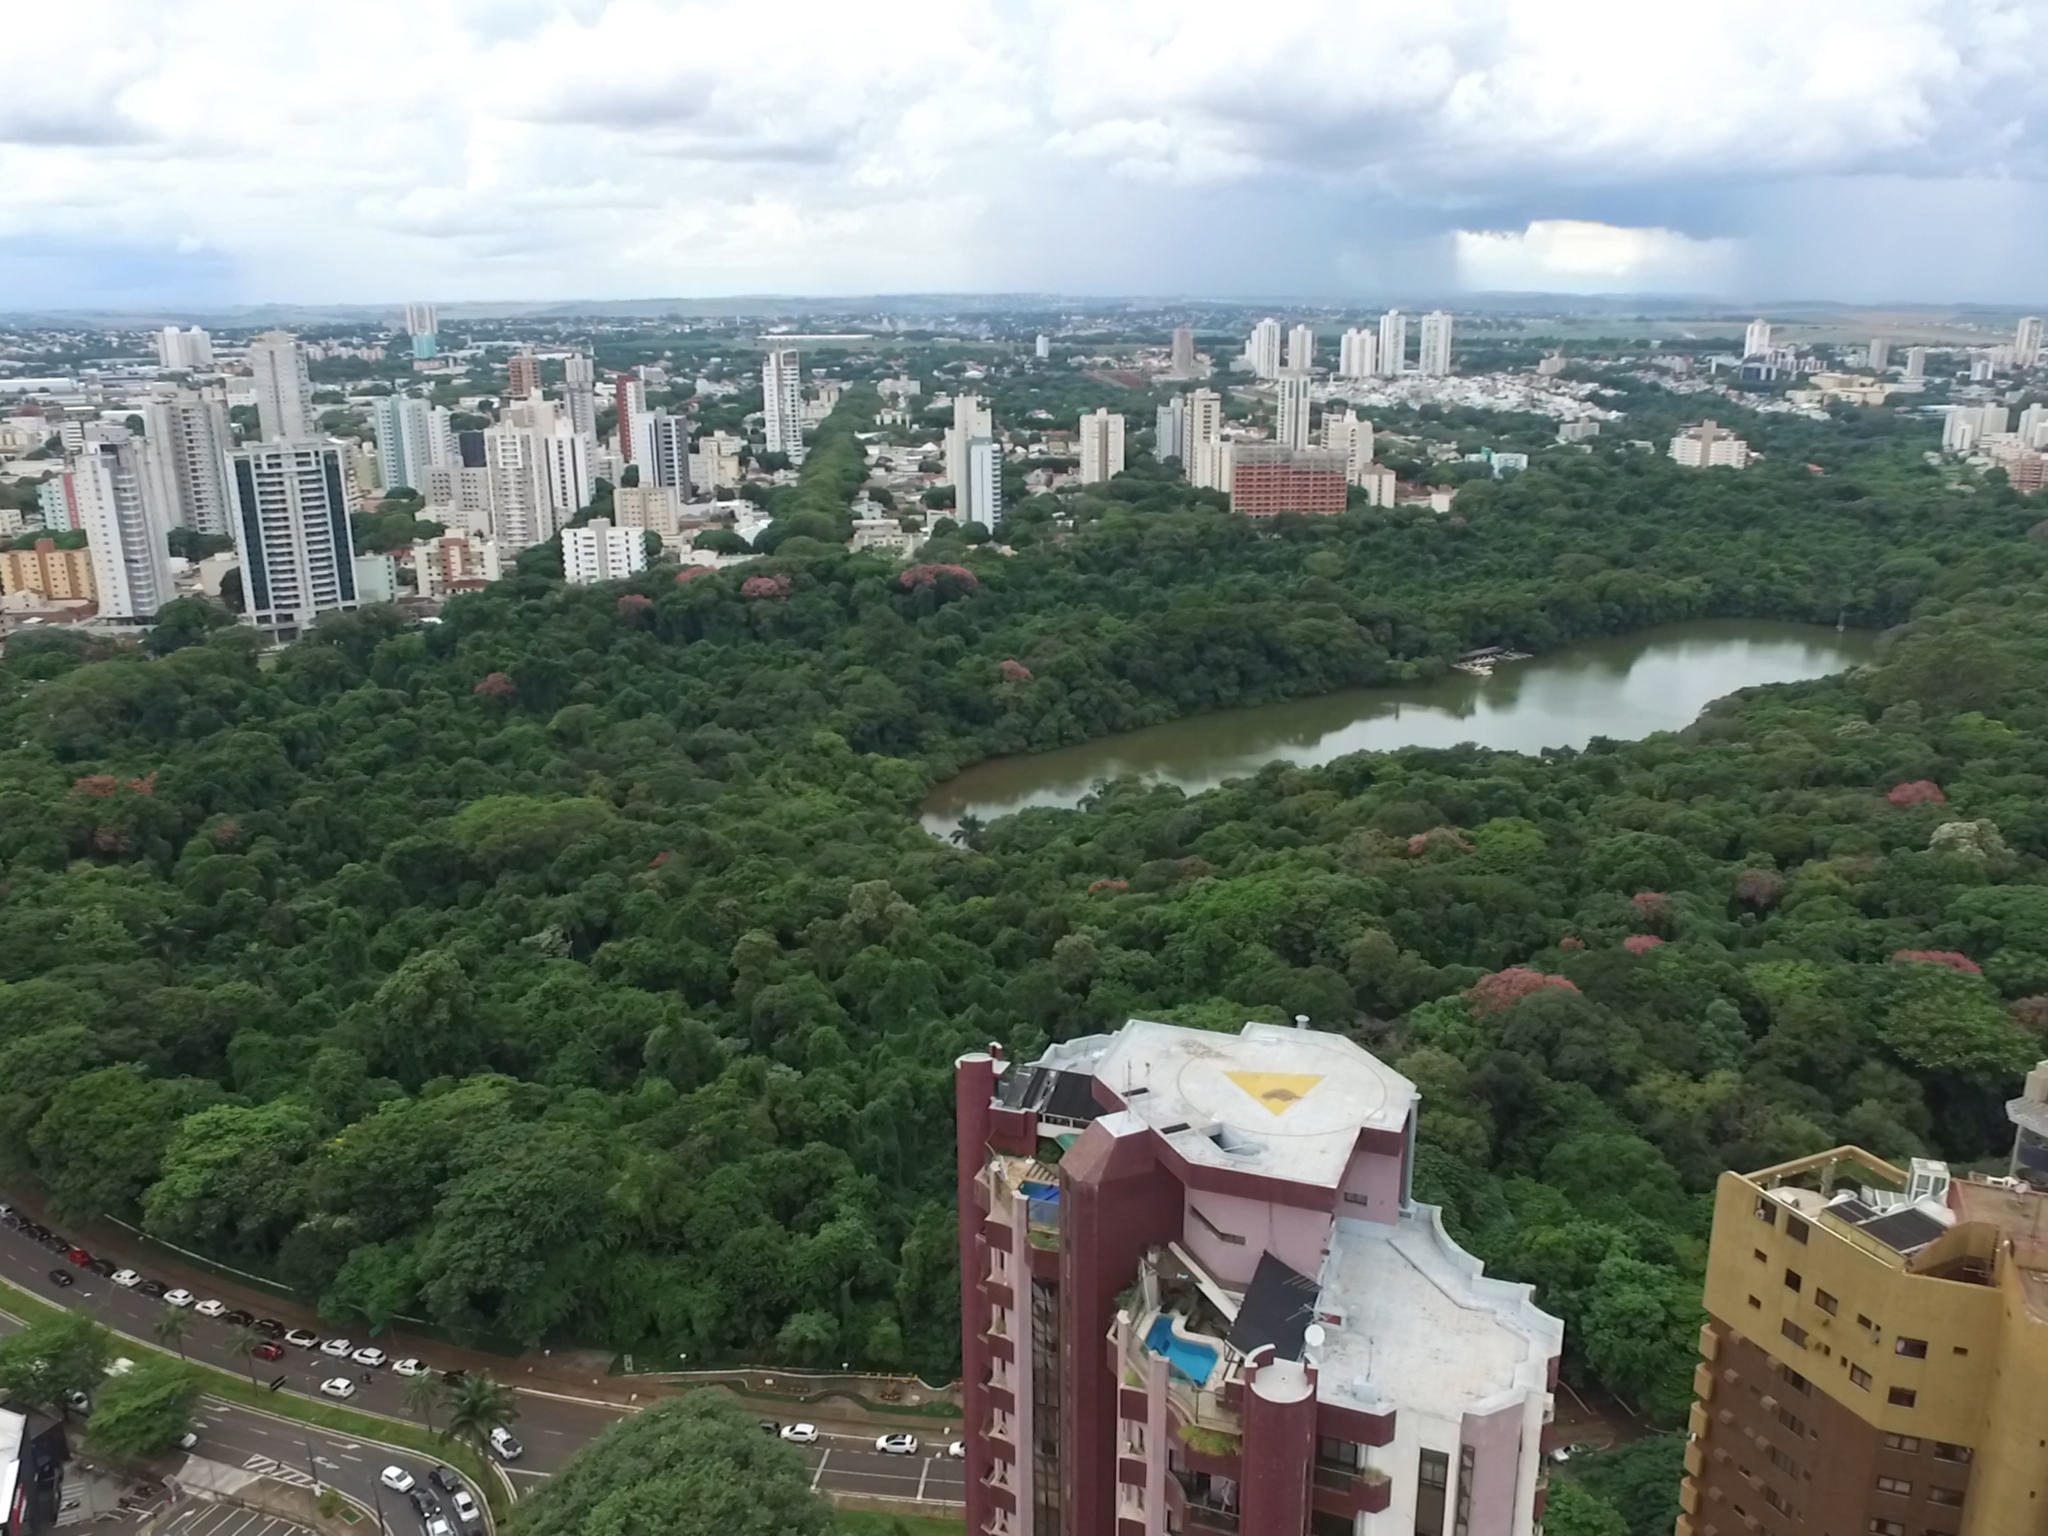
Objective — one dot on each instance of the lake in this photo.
(1622, 686)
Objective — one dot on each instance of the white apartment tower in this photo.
(1879, 355)
(291, 531)
(1393, 358)
(1102, 445)
(971, 419)
(1208, 463)
(1357, 354)
(983, 503)
(1170, 431)
(1350, 435)
(1264, 348)
(539, 474)
(1756, 341)
(597, 551)
(1301, 349)
(662, 449)
(1291, 410)
(183, 351)
(579, 392)
(1708, 446)
(1916, 363)
(126, 528)
(1042, 348)
(188, 442)
(2026, 342)
(1182, 362)
(284, 390)
(413, 438)
(1435, 360)
(782, 403)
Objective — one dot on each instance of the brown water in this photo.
(1623, 687)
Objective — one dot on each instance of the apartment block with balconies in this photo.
(1198, 1298)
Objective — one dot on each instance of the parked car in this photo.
(79, 1257)
(299, 1338)
(465, 1507)
(235, 1317)
(436, 1526)
(127, 1279)
(155, 1288)
(957, 1451)
(269, 1349)
(408, 1367)
(210, 1308)
(445, 1479)
(178, 1298)
(397, 1479)
(423, 1504)
(769, 1427)
(800, 1434)
(369, 1356)
(338, 1386)
(55, 1243)
(339, 1348)
(103, 1267)
(507, 1448)
(269, 1327)
(898, 1444)
(62, 1278)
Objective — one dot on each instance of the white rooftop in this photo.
(1278, 1102)
(1409, 1320)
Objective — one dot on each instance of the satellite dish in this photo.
(1313, 1336)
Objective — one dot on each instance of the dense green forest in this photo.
(576, 968)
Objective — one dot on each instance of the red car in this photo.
(79, 1257)
(270, 1351)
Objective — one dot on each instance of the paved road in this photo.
(552, 1428)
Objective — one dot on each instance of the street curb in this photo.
(593, 1402)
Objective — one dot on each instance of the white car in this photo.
(800, 1434)
(178, 1298)
(508, 1449)
(338, 1386)
(438, 1527)
(337, 1347)
(299, 1338)
(208, 1308)
(127, 1279)
(408, 1367)
(368, 1356)
(957, 1450)
(896, 1445)
(397, 1479)
(465, 1507)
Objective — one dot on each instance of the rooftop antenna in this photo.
(1301, 1021)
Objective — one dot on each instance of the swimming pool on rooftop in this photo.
(1197, 1362)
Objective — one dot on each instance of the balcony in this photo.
(1211, 1517)
(1710, 1342)
(1351, 1490)
(1703, 1382)
(999, 1293)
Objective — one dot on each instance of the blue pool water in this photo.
(1194, 1361)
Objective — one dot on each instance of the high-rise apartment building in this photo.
(1264, 348)
(1170, 431)
(1435, 356)
(1220, 1309)
(59, 575)
(1756, 340)
(982, 504)
(1357, 354)
(1208, 461)
(597, 551)
(649, 508)
(579, 393)
(539, 474)
(2026, 342)
(291, 530)
(1267, 479)
(1301, 349)
(454, 562)
(1708, 446)
(1102, 445)
(522, 370)
(1916, 363)
(1350, 435)
(114, 491)
(629, 399)
(1181, 360)
(1875, 1346)
(971, 420)
(422, 325)
(284, 389)
(663, 449)
(715, 466)
(1393, 351)
(413, 438)
(1291, 410)
(1879, 354)
(782, 402)
(189, 439)
(1042, 348)
(183, 351)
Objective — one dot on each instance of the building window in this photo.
(1952, 1497)
(1321, 1524)
(1960, 1454)
(1432, 1478)
(1760, 1256)
(1793, 1331)
(1793, 1281)
(1795, 1229)
(1824, 1301)
(1886, 1528)
(1766, 1210)
(1461, 1511)
(1864, 1322)
(1779, 1502)
(1353, 1198)
(1896, 1485)
(1215, 1231)
(1907, 1443)
(1347, 1454)
(1792, 1421)
(1794, 1380)
(1860, 1376)
(1902, 1397)
(1755, 1303)
(1912, 1349)
(1783, 1462)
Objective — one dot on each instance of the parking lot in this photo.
(224, 1520)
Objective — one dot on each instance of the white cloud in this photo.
(532, 148)
(1577, 256)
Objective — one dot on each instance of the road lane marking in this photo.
(820, 1472)
(923, 1472)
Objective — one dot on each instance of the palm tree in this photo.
(477, 1406)
(968, 833)
(170, 1329)
(424, 1393)
(245, 1341)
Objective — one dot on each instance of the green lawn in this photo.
(857, 1522)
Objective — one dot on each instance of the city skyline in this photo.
(1486, 146)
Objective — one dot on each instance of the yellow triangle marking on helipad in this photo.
(1277, 1091)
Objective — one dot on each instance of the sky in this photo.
(199, 153)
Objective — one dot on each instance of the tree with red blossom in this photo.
(774, 588)
(146, 785)
(1652, 904)
(1437, 839)
(1641, 943)
(1109, 885)
(692, 572)
(1917, 792)
(942, 576)
(1503, 989)
(495, 686)
(1760, 889)
(1015, 671)
(98, 785)
(1571, 941)
(632, 605)
(1948, 957)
